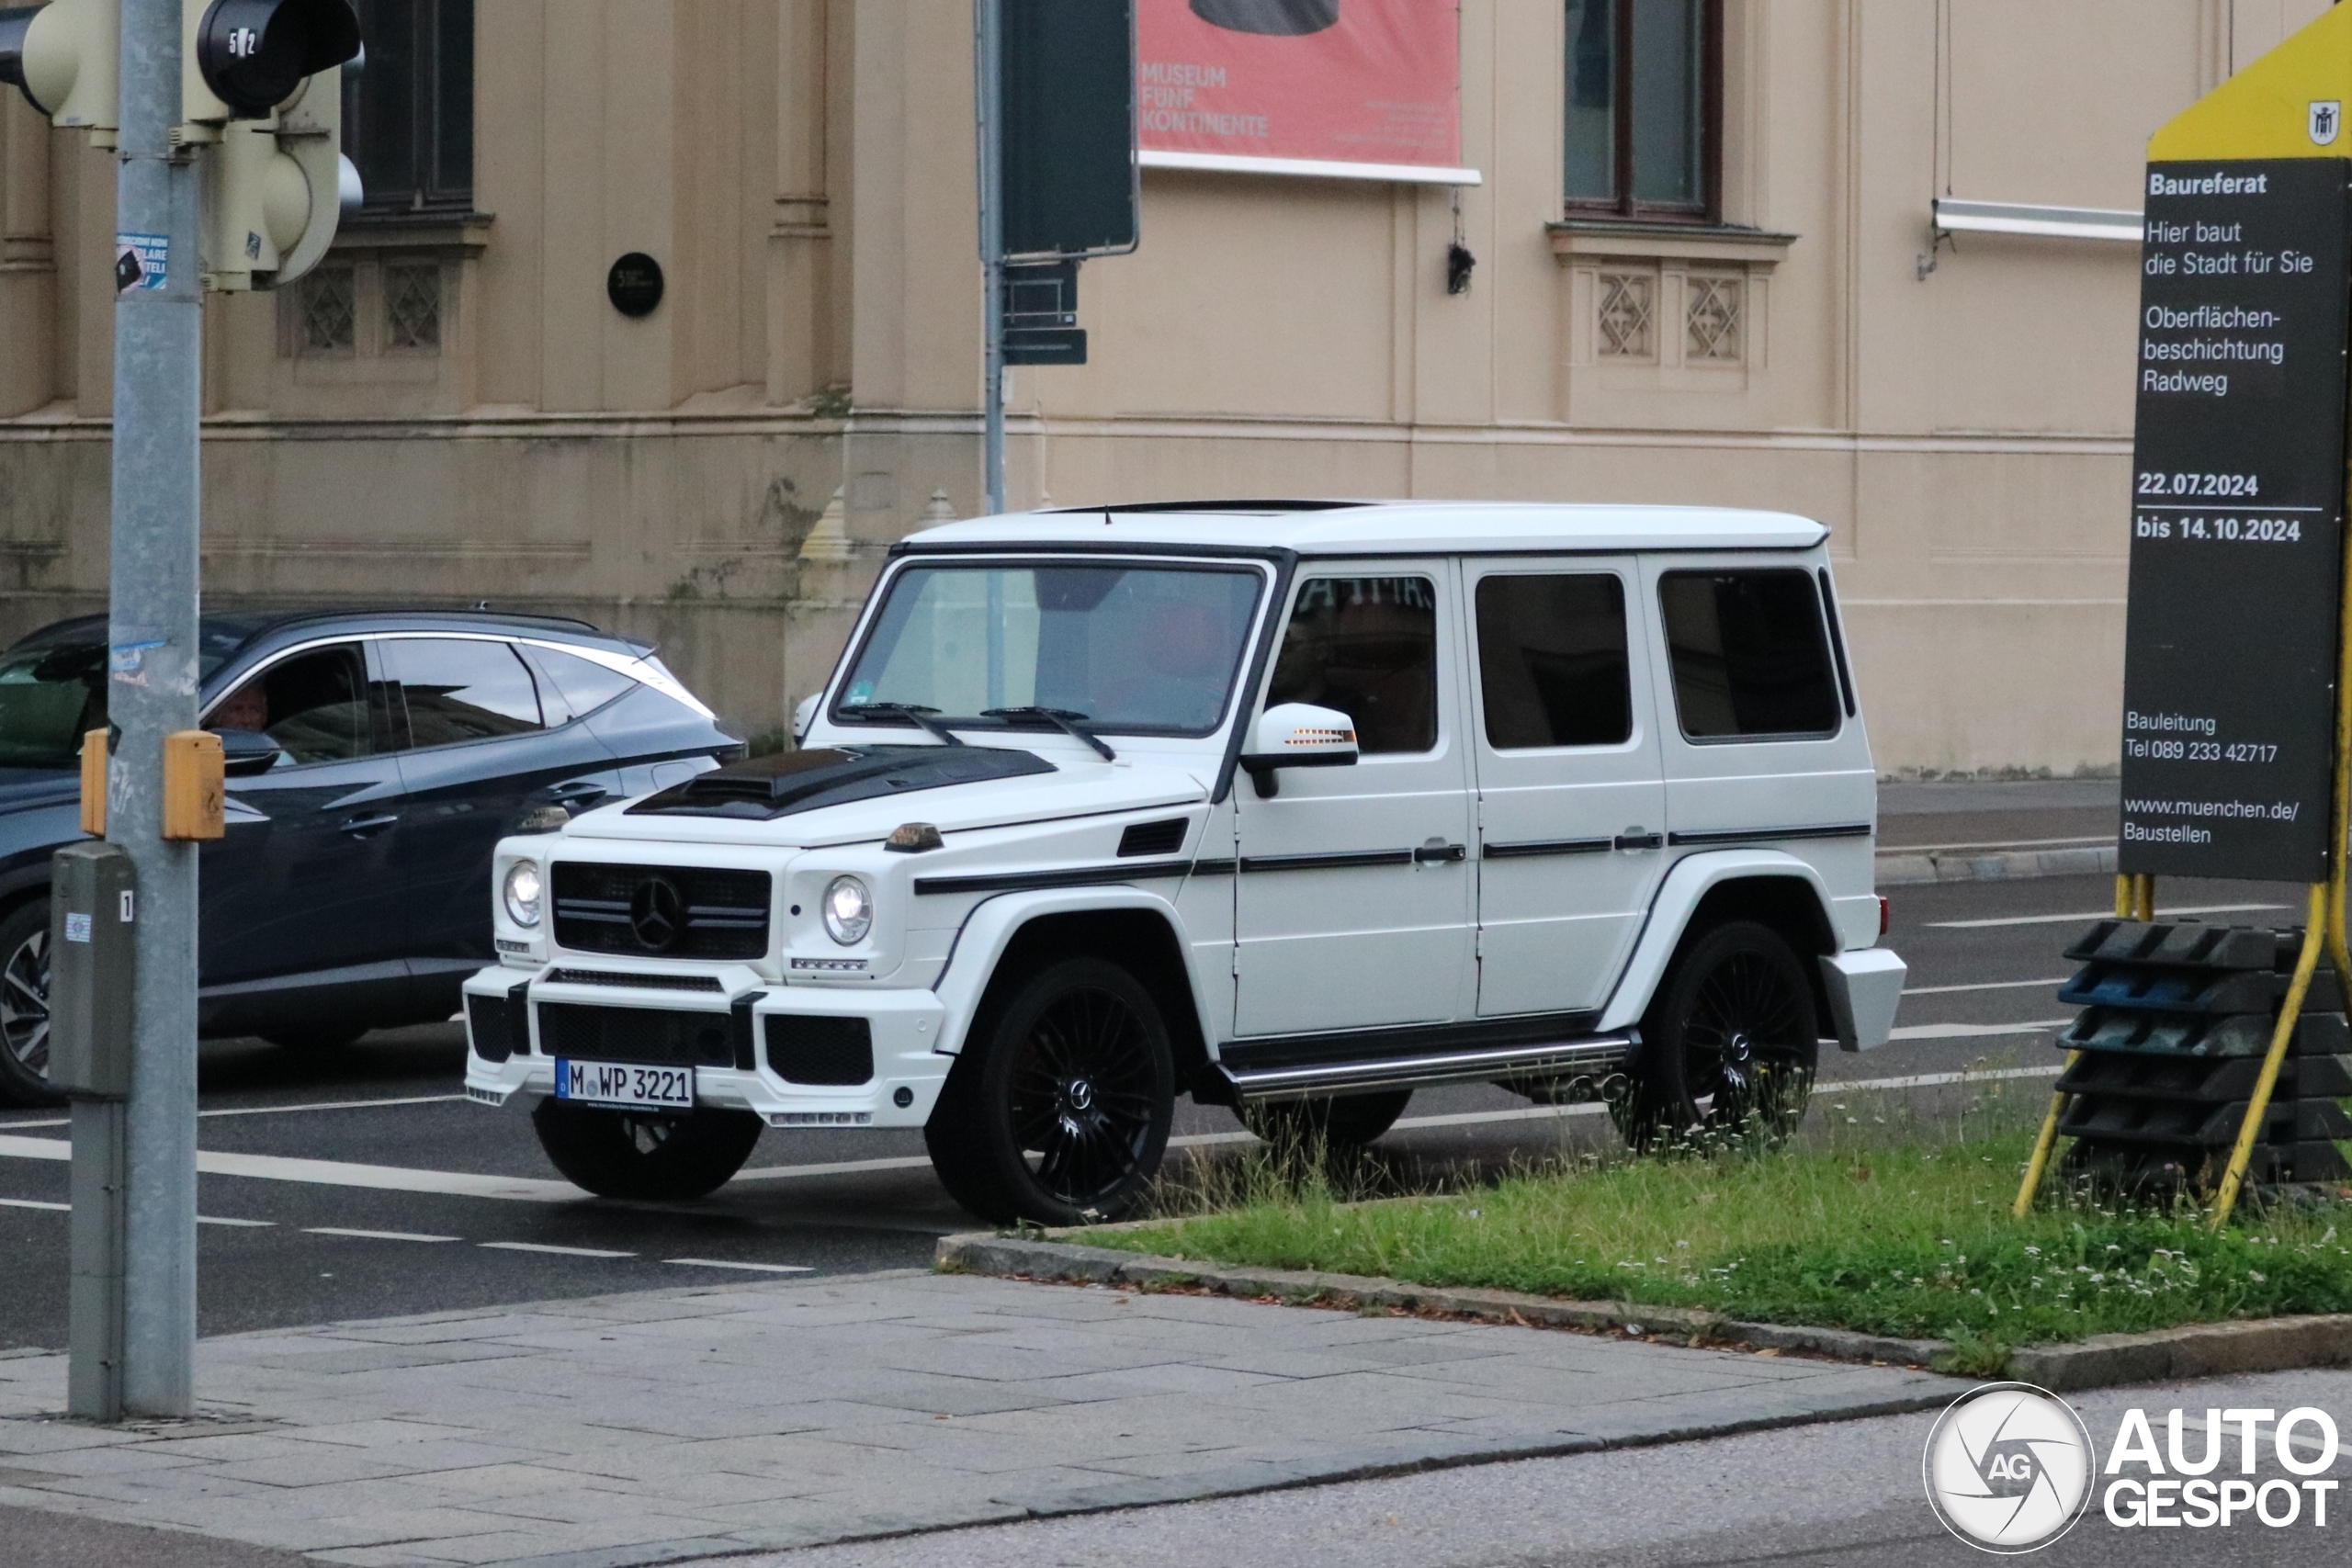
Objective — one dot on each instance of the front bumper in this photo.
(745, 1038)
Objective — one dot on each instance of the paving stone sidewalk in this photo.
(664, 1425)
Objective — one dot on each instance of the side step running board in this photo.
(1589, 1057)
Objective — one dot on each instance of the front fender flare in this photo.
(1689, 883)
(990, 929)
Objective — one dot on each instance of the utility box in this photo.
(93, 911)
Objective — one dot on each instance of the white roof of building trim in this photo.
(1410, 527)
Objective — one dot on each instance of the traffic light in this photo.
(261, 92)
(65, 58)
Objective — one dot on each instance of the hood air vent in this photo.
(767, 787)
(1152, 838)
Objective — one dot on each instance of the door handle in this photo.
(1635, 839)
(363, 827)
(1437, 851)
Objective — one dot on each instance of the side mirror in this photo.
(247, 751)
(804, 714)
(1298, 735)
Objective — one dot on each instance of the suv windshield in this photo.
(1137, 649)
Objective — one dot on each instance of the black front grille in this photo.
(814, 1050)
(673, 911)
(1153, 838)
(655, 1036)
(493, 1040)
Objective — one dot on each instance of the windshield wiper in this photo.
(1064, 719)
(920, 718)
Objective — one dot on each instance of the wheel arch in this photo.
(1703, 891)
(1008, 937)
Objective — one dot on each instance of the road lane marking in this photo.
(754, 1268)
(238, 1225)
(2095, 914)
(271, 1110)
(556, 1251)
(374, 1235)
(2094, 840)
(1936, 1080)
(1974, 1030)
(1985, 986)
(29, 1203)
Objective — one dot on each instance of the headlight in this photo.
(849, 910)
(522, 893)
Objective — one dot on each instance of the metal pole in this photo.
(988, 26)
(158, 359)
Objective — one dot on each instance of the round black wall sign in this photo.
(634, 285)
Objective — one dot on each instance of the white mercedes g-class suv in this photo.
(1292, 807)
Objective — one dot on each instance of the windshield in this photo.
(50, 697)
(1134, 649)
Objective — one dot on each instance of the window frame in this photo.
(428, 112)
(1624, 206)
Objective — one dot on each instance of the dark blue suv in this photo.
(373, 760)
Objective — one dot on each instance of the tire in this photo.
(1341, 1123)
(23, 1007)
(1729, 1045)
(620, 1153)
(317, 1037)
(1057, 1109)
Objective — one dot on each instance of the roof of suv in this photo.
(1409, 527)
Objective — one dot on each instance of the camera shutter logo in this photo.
(2008, 1468)
(2327, 122)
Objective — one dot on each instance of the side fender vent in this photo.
(1153, 838)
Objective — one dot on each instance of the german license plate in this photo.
(631, 1088)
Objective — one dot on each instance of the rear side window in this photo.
(1366, 646)
(572, 687)
(1749, 653)
(1551, 665)
(462, 689)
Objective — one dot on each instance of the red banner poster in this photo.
(1351, 88)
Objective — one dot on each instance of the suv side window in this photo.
(314, 706)
(1551, 660)
(1749, 653)
(572, 687)
(1366, 646)
(459, 689)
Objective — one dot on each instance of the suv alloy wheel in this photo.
(1058, 1111)
(23, 1007)
(1729, 1045)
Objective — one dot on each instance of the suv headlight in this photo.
(849, 910)
(522, 894)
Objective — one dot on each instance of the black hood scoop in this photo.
(765, 788)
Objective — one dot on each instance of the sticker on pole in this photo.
(77, 925)
(141, 261)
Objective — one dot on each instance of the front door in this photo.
(305, 879)
(1352, 901)
(1571, 797)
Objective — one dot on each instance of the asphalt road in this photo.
(460, 1209)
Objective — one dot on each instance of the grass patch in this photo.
(1904, 1232)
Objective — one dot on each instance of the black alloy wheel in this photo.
(1730, 1044)
(627, 1154)
(1058, 1110)
(23, 1007)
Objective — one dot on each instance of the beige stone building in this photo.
(452, 409)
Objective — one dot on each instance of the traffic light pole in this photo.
(151, 678)
(988, 29)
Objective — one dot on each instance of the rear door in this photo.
(1352, 901)
(1571, 800)
(477, 752)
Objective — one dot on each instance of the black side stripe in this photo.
(1769, 835)
(1077, 877)
(1326, 861)
(1550, 847)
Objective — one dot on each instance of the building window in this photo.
(408, 118)
(1643, 121)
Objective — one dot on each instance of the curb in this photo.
(1896, 869)
(1069, 1263)
(2167, 1355)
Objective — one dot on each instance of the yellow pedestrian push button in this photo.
(93, 784)
(194, 786)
